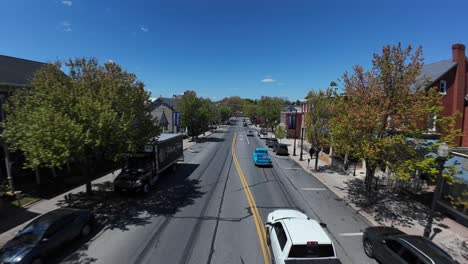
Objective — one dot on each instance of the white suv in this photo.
(295, 238)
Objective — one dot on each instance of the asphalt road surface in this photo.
(205, 212)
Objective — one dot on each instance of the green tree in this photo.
(280, 131)
(321, 106)
(97, 112)
(382, 109)
(189, 108)
(225, 113)
(269, 110)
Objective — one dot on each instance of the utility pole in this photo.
(302, 144)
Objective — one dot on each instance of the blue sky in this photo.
(227, 47)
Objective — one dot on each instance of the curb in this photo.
(211, 133)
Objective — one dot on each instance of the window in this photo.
(443, 87)
(292, 122)
(282, 239)
(393, 245)
(409, 256)
(311, 251)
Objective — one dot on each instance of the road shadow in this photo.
(113, 211)
(75, 252)
(210, 139)
(12, 215)
(389, 205)
(118, 211)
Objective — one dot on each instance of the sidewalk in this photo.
(392, 210)
(22, 216)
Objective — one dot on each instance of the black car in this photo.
(274, 145)
(281, 149)
(390, 245)
(45, 234)
(271, 141)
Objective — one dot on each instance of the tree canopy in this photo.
(97, 111)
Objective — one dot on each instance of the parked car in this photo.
(260, 157)
(262, 135)
(282, 149)
(245, 124)
(46, 234)
(295, 238)
(274, 145)
(271, 141)
(250, 133)
(392, 246)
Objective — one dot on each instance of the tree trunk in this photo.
(85, 168)
(38, 177)
(370, 171)
(317, 153)
(68, 167)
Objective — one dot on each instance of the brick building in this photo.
(450, 76)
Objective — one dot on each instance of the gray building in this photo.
(166, 114)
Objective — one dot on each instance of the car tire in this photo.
(368, 248)
(37, 261)
(86, 230)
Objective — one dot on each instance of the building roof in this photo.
(16, 71)
(432, 72)
(171, 102)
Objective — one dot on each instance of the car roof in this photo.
(427, 247)
(52, 216)
(263, 149)
(302, 231)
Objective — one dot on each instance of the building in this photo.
(166, 114)
(15, 73)
(451, 78)
(292, 117)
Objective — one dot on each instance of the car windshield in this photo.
(137, 163)
(31, 235)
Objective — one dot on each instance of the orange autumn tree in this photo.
(384, 112)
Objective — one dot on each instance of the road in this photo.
(202, 213)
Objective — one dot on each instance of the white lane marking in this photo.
(247, 137)
(313, 189)
(351, 234)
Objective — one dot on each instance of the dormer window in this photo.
(443, 87)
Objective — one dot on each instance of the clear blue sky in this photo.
(227, 47)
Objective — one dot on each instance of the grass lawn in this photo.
(25, 200)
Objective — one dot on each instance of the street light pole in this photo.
(295, 131)
(302, 143)
(442, 152)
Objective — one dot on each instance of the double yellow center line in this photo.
(257, 219)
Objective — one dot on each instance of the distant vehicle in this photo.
(260, 157)
(45, 235)
(250, 133)
(295, 238)
(390, 245)
(262, 135)
(271, 141)
(282, 149)
(142, 170)
(245, 124)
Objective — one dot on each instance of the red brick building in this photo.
(451, 78)
(292, 118)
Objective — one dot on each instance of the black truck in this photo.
(141, 170)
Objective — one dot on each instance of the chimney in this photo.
(458, 53)
(460, 89)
